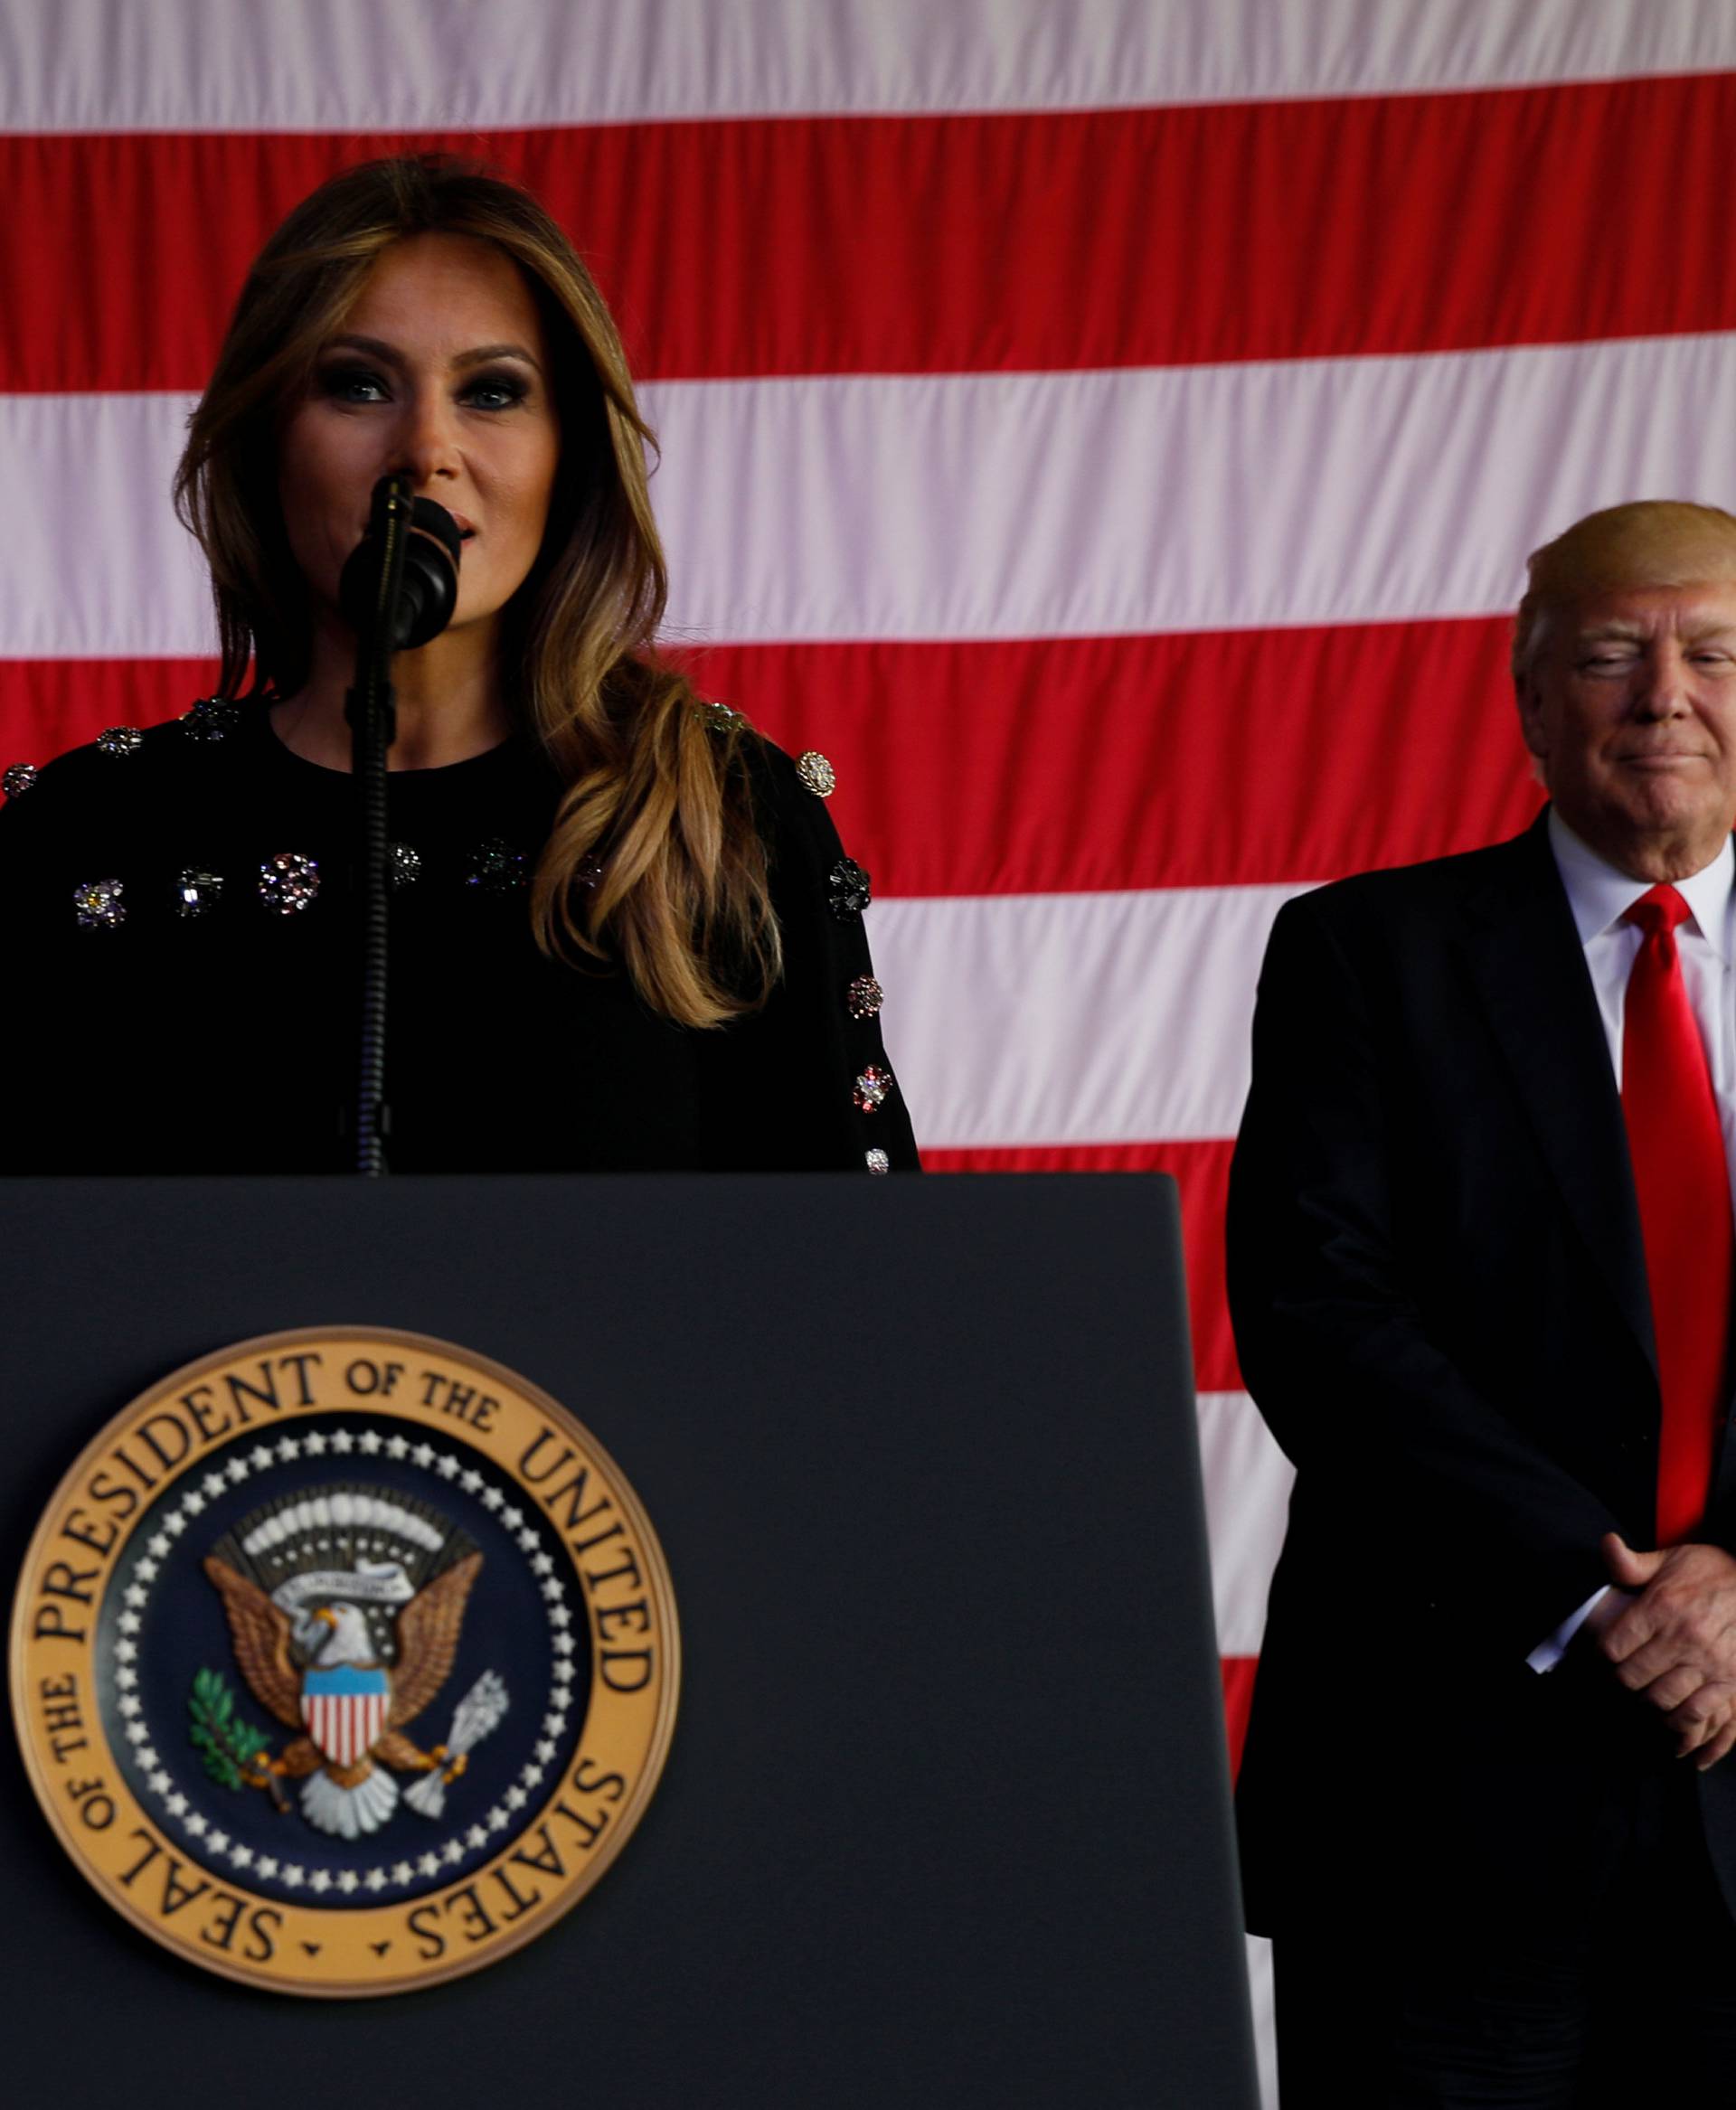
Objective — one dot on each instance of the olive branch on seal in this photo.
(229, 1746)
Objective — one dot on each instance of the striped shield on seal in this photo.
(345, 1709)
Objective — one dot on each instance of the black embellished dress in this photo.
(183, 995)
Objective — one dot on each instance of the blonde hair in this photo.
(1624, 549)
(653, 858)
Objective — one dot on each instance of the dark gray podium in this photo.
(946, 1817)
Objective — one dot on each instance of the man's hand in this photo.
(1677, 1642)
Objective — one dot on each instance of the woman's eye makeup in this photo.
(348, 382)
(495, 391)
(345, 381)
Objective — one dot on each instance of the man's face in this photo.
(1630, 709)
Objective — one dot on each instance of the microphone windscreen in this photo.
(428, 590)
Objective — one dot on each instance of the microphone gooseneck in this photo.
(397, 590)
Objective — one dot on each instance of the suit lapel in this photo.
(1530, 968)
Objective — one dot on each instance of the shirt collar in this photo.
(1600, 894)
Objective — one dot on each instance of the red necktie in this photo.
(1675, 1141)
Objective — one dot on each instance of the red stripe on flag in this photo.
(1238, 1698)
(959, 243)
(1225, 759)
(1217, 759)
(1201, 1176)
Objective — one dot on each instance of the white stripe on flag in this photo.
(235, 65)
(1124, 501)
(1073, 1018)
(97, 564)
(1248, 1482)
(1137, 499)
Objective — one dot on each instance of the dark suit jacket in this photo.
(1438, 1291)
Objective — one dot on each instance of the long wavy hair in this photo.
(654, 861)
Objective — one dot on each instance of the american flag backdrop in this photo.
(1110, 429)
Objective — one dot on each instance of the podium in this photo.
(945, 1820)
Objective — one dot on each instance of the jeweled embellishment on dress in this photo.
(848, 888)
(816, 774)
(19, 779)
(98, 904)
(120, 740)
(404, 866)
(864, 997)
(717, 717)
(288, 882)
(877, 1161)
(197, 892)
(210, 718)
(496, 867)
(872, 1088)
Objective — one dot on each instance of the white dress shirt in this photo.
(1599, 895)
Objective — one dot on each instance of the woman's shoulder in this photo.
(818, 1046)
(810, 872)
(790, 796)
(110, 772)
(119, 805)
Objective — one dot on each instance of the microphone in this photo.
(400, 584)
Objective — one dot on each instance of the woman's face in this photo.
(440, 371)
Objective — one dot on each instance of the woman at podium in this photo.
(623, 932)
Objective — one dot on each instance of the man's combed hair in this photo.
(1669, 542)
(654, 861)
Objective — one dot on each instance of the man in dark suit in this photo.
(1480, 1261)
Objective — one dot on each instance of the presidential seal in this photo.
(344, 1661)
